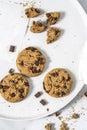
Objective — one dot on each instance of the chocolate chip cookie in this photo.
(53, 34)
(30, 62)
(14, 87)
(32, 12)
(57, 83)
(37, 27)
(52, 17)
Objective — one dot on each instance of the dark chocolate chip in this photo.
(21, 90)
(43, 102)
(38, 94)
(5, 87)
(11, 71)
(31, 48)
(85, 94)
(12, 81)
(21, 63)
(48, 14)
(12, 48)
(1, 86)
(40, 24)
(58, 93)
(54, 74)
(57, 113)
(65, 87)
(36, 63)
(68, 78)
(37, 10)
(47, 109)
(63, 93)
(21, 96)
(12, 95)
(40, 60)
(26, 84)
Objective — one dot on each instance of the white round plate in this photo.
(64, 53)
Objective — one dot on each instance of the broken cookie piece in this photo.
(52, 17)
(37, 27)
(48, 126)
(32, 12)
(53, 34)
(63, 126)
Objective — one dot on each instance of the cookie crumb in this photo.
(11, 71)
(47, 109)
(48, 126)
(38, 94)
(60, 117)
(57, 113)
(43, 102)
(75, 115)
(12, 48)
(63, 126)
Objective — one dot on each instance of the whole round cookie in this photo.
(57, 83)
(30, 62)
(14, 87)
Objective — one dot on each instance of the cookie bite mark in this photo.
(32, 12)
(52, 17)
(53, 34)
(37, 27)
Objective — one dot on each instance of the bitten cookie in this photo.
(14, 87)
(57, 83)
(37, 27)
(32, 12)
(53, 34)
(52, 17)
(30, 62)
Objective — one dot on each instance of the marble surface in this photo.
(78, 105)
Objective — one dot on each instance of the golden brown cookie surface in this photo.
(57, 83)
(30, 62)
(14, 87)
(53, 34)
(32, 12)
(52, 17)
(37, 27)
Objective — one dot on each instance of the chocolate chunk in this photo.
(40, 60)
(1, 86)
(85, 94)
(12, 95)
(40, 24)
(11, 71)
(37, 10)
(21, 63)
(58, 93)
(12, 48)
(21, 90)
(47, 109)
(36, 63)
(57, 113)
(43, 102)
(21, 96)
(34, 70)
(26, 83)
(48, 14)
(38, 94)
(54, 74)
(31, 48)
(5, 87)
